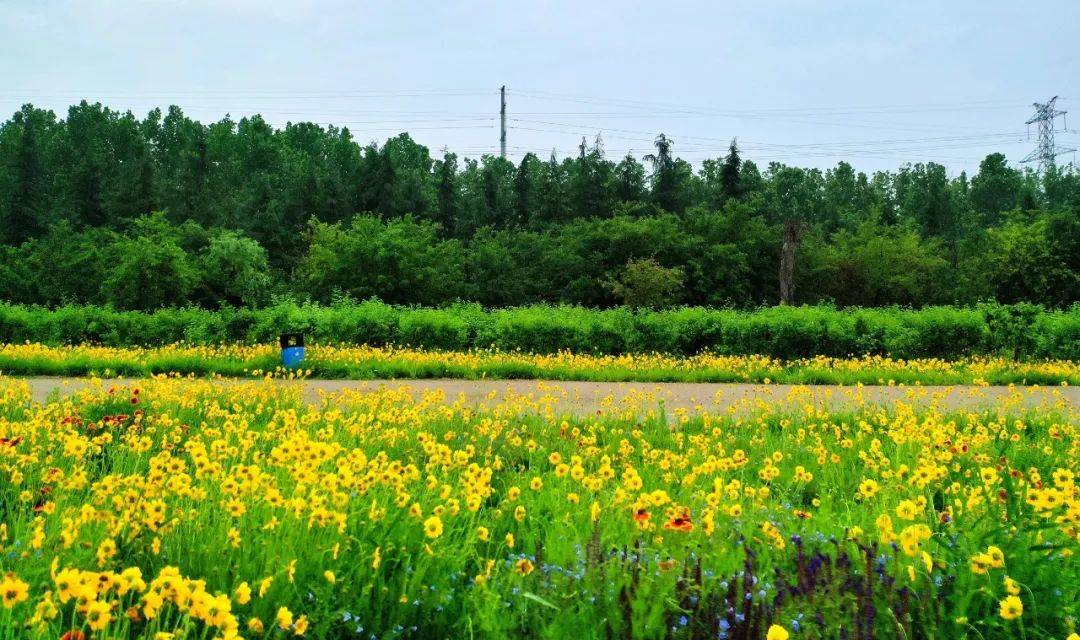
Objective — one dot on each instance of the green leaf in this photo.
(539, 600)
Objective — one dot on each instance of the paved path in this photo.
(589, 397)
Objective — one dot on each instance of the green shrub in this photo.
(1020, 331)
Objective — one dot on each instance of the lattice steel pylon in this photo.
(1045, 152)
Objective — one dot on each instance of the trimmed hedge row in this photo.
(788, 332)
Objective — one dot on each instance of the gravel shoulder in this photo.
(589, 397)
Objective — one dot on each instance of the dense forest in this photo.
(102, 207)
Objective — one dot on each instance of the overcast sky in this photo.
(807, 83)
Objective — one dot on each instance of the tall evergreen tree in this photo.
(628, 180)
(729, 172)
(23, 209)
(446, 192)
(664, 179)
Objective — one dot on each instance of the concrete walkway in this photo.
(590, 397)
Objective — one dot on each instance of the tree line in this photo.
(102, 207)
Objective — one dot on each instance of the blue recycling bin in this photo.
(292, 350)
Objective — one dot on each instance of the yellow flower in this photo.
(98, 615)
(523, 566)
(376, 558)
(867, 489)
(13, 591)
(483, 534)
(255, 625)
(1012, 586)
(106, 550)
(433, 527)
(980, 563)
(242, 594)
(264, 585)
(1011, 608)
(906, 510)
(301, 626)
(776, 632)
(996, 557)
(284, 618)
(329, 575)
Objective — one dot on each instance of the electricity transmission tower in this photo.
(1045, 152)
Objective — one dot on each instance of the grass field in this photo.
(179, 509)
(365, 362)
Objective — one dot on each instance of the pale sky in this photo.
(806, 83)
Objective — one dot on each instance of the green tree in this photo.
(628, 180)
(25, 173)
(590, 178)
(1035, 257)
(447, 194)
(148, 269)
(525, 196)
(874, 265)
(552, 193)
(233, 270)
(645, 283)
(729, 173)
(664, 179)
(401, 261)
(995, 189)
(795, 201)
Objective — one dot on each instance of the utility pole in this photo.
(582, 147)
(1045, 151)
(502, 122)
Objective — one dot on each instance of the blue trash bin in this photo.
(292, 350)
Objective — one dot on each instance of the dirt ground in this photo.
(589, 397)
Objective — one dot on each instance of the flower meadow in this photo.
(180, 508)
(373, 362)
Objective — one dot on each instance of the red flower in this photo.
(680, 522)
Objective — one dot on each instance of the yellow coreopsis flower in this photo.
(243, 593)
(776, 632)
(13, 591)
(906, 510)
(1012, 586)
(301, 626)
(284, 618)
(524, 566)
(1011, 608)
(98, 615)
(433, 527)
